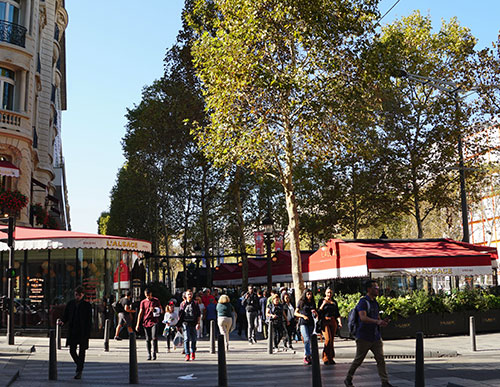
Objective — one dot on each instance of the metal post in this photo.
(10, 296)
(212, 336)
(58, 333)
(472, 331)
(133, 373)
(419, 361)
(221, 361)
(52, 355)
(270, 338)
(316, 370)
(106, 335)
(269, 263)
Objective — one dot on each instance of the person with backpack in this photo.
(189, 319)
(330, 320)
(123, 308)
(252, 306)
(149, 314)
(306, 310)
(366, 322)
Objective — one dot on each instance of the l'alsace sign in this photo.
(453, 270)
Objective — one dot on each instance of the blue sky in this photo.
(114, 48)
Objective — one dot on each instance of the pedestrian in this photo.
(125, 313)
(225, 317)
(330, 321)
(368, 334)
(211, 315)
(276, 315)
(78, 318)
(189, 319)
(149, 315)
(262, 312)
(199, 330)
(289, 322)
(241, 320)
(170, 319)
(306, 311)
(251, 304)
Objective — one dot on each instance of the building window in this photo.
(7, 89)
(9, 11)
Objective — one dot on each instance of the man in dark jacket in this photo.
(78, 318)
(252, 307)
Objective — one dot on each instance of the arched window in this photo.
(7, 89)
(6, 181)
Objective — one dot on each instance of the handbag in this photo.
(178, 339)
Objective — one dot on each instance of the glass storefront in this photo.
(47, 279)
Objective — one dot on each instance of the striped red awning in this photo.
(8, 169)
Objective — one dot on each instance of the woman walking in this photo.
(330, 320)
(306, 310)
(290, 323)
(170, 320)
(276, 315)
(225, 317)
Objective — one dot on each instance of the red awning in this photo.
(40, 239)
(8, 169)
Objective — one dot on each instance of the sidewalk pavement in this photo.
(449, 362)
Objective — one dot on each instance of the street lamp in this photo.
(452, 89)
(164, 266)
(267, 223)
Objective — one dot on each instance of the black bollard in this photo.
(58, 333)
(106, 335)
(52, 355)
(270, 338)
(316, 370)
(133, 376)
(212, 336)
(419, 361)
(472, 328)
(221, 361)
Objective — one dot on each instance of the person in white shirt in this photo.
(170, 320)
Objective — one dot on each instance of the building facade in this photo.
(32, 96)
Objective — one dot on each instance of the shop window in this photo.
(7, 83)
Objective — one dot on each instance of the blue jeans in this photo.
(189, 333)
(306, 332)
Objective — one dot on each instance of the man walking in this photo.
(124, 308)
(78, 318)
(189, 317)
(368, 334)
(252, 307)
(149, 313)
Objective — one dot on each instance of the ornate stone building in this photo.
(32, 96)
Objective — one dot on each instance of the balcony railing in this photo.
(10, 118)
(12, 33)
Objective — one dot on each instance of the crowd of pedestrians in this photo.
(254, 313)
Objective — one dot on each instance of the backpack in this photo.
(117, 306)
(353, 319)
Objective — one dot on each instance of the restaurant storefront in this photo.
(51, 263)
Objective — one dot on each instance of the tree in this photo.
(281, 85)
(421, 125)
(102, 223)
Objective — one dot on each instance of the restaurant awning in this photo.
(40, 239)
(423, 257)
(8, 169)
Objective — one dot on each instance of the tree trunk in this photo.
(418, 217)
(241, 228)
(204, 222)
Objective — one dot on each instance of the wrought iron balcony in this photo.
(12, 33)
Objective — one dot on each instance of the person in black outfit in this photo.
(276, 315)
(78, 318)
(252, 307)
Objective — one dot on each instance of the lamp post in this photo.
(164, 266)
(267, 223)
(452, 89)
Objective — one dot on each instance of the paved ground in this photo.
(252, 366)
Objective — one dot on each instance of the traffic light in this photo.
(9, 230)
(11, 272)
(4, 303)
